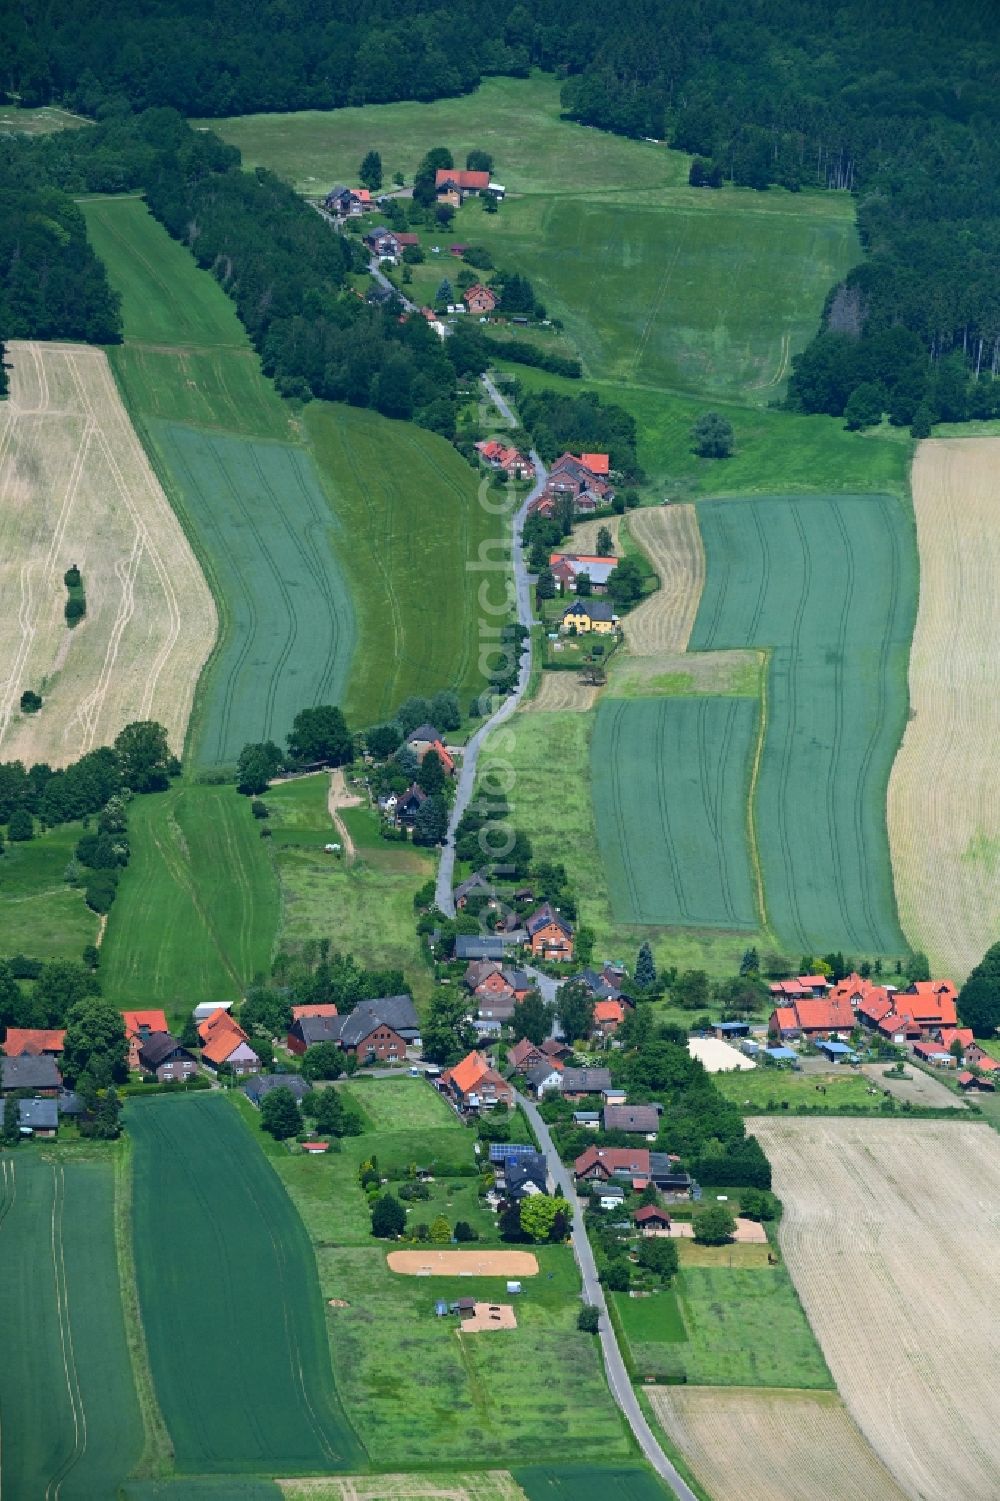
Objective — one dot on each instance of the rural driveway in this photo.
(618, 1380)
(467, 776)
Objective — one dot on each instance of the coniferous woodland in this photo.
(898, 105)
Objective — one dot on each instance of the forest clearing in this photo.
(77, 488)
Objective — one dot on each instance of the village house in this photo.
(37, 1072)
(479, 299)
(802, 988)
(509, 461)
(608, 1017)
(977, 1057)
(348, 203)
(260, 1086)
(519, 1169)
(544, 1077)
(224, 1043)
(585, 616)
(567, 567)
(37, 1117)
(601, 1164)
(37, 1041)
(637, 1120)
(469, 946)
(376, 1031)
(383, 243)
(454, 186)
(550, 936)
(474, 1084)
(577, 1083)
(524, 1055)
(425, 738)
(138, 1026)
(652, 1220)
(408, 805)
(162, 1057)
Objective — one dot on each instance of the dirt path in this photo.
(340, 798)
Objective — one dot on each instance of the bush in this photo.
(259, 809)
(76, 608)
(617, 1275)
(388, 1217)
(31, 702)
(21, 826)
(72, 577)
(589, 1319)
(464, 1231)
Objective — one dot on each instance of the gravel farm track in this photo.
(77, 487)
(944, 797)
(890, 1234)
(769, 1444)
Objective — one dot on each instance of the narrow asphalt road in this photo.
(467, 776)
(614, 1365)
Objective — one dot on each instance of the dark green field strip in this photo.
(588, 1483)
(829, 584)
(670, 779)
(70, 1420)
(204, 1488)
(258, 516)
(230, 1299)
(197, 906)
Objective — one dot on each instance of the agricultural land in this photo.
(747, 1444)
(889, 1234)
(40, 914)
(77, 488)
(944, 810)
(71, 1421)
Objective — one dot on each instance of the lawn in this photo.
(400, 1104)
(197, 908)
(365, 908)
(271, 548)
(39, 914)
(654, 1321)
(670, 780)
(72, 1426)
(829, 585)
(233, 1317)
(778, 1089)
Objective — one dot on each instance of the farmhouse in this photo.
(803, 988)
(811, 1018)
(588, 615)
(162, 1057)
(37, 1041)
(454, 187)
(223, 1041)
(473, 946)
(30, 1071)
(608, 1017)
(383, 244)
(524, 1055)
(567, 567)
(138, 1026)
(369, 1038)
(314, 1008)
(509, 461)
(549, 935)
(479, 299)
(474, 1084)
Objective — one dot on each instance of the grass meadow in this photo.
(37, 122)
(39, 914)
(71, 1422)
(829, 586)
(197, 908)
(766, 1089)
(670, 780)
(233, 1316)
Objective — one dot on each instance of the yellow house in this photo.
(586, 615)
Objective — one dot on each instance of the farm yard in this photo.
(828, 584)
(747, 1444)
(65, 1352)
(670, 782)
(889, 1234)
(259, 1395)
(77, 488)
(197, 907)
(944, 810)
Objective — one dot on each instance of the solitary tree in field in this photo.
(144, 757)
(31, 702)
(645, 968)
(370, 172)
(388, 1217)
(280, 1115)
(605, 545)
(712, 436)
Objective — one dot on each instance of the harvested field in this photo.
(490, 1485)
(717, 1056)
(463, 1263)
(77, 487)
(890, 1233)
(670, 537)
(562, 690)
(490, 1316)
(944, 802)
(771, 1445)
(918, 1088)
(583, 537)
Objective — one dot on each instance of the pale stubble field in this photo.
(76, 487)
(890, 1233)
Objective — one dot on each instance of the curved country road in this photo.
(467, 776)
(614, 1365)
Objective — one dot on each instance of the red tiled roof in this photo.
(597, 463)
(407, 239)
(651, 1212)
(609, 1011)
(33, 1040)
(986, 1064)
(153, 1021)
(316, 1008)
(825, 1014)
(785, 1019)
(964, 1035)
(220, 1022)
(615, 1159)
(966, 1078)
(447, 760)
(467, 1074)
(464, 179)
(221, 1044)
(875, 1004)
(931, 1001)
(521, 1051)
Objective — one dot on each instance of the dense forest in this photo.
(899, 106)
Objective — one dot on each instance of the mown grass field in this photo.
(197, 908)
(365, 908)
(421, 1396)
(39, 914)
(829, 586)
(778, 1089)
(233, 1315)
(71, 1421)
(670, 780)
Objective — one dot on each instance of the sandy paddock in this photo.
(76, 487)
(747, 1233)
(464, 1263)
(490, 1316)
(718, 1057)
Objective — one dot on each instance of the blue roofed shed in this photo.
(782, 1055)
(837, 1052)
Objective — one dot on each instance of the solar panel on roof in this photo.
(501, 1151)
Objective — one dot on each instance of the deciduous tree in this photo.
(712, 436)
(280, 1114)
(388, 1217)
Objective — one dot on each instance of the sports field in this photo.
(828, 585)
(233, 1315)
(944, 809)
(39, 914)
(889, 1233)
(670, 781)
(77, 487)
(783, 1445)
(197, 908)
(70, 1420)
